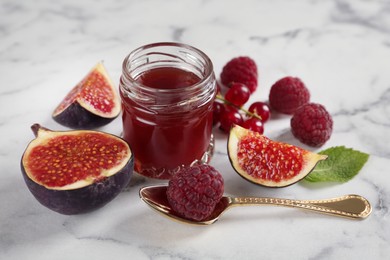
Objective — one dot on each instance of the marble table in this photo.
(340, 49)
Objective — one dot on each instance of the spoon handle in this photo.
(350, 206)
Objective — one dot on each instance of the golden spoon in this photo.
(349, 206)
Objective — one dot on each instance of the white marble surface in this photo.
(341, 50)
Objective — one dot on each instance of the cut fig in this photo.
(74, 172)
(92, 103)
(263, 161)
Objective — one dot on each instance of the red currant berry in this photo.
(253, 124)
(261, 109)
(238, 94)
(230, 117)
(218, 110)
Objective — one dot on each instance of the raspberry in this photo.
(288, 94)
(194, 191)
(240, 69)
(312, 124)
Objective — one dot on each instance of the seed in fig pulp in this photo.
(263, 161)
(92, 103)
(73, 172)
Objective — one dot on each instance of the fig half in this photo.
(92, 103)
(269, 163)
(74, 172)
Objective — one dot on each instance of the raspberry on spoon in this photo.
(195, 191)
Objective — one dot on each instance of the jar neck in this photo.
(173, 55)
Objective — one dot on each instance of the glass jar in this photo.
(167, 92)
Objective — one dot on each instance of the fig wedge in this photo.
(269, 163)
(92, 103)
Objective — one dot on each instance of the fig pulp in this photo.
(263, 161)
(73, 172)
(92, 103)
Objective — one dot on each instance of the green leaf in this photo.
(341, 166)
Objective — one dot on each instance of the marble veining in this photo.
(339, 48)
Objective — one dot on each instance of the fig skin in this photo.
(80, 200)
(83, 200)
(77, 117)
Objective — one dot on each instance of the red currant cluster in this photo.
(310, 122)
(240, 76)
(228, 110)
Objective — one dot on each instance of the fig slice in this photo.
(74, 172)
(269, 163)
(92, 103)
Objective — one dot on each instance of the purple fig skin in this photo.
(83, 200)
(77, 117)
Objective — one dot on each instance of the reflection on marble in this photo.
(339, 48)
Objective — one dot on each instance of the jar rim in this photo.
(208, 73)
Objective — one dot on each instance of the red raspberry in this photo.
(288, 94)
(195, 191)
(312, 124)
(241, 69)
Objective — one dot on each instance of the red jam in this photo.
(168, 78)
(163, 141)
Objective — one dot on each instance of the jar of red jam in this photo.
(167, 92)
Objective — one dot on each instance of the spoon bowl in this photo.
(349, 206)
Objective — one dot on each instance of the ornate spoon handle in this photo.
(350, 206)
